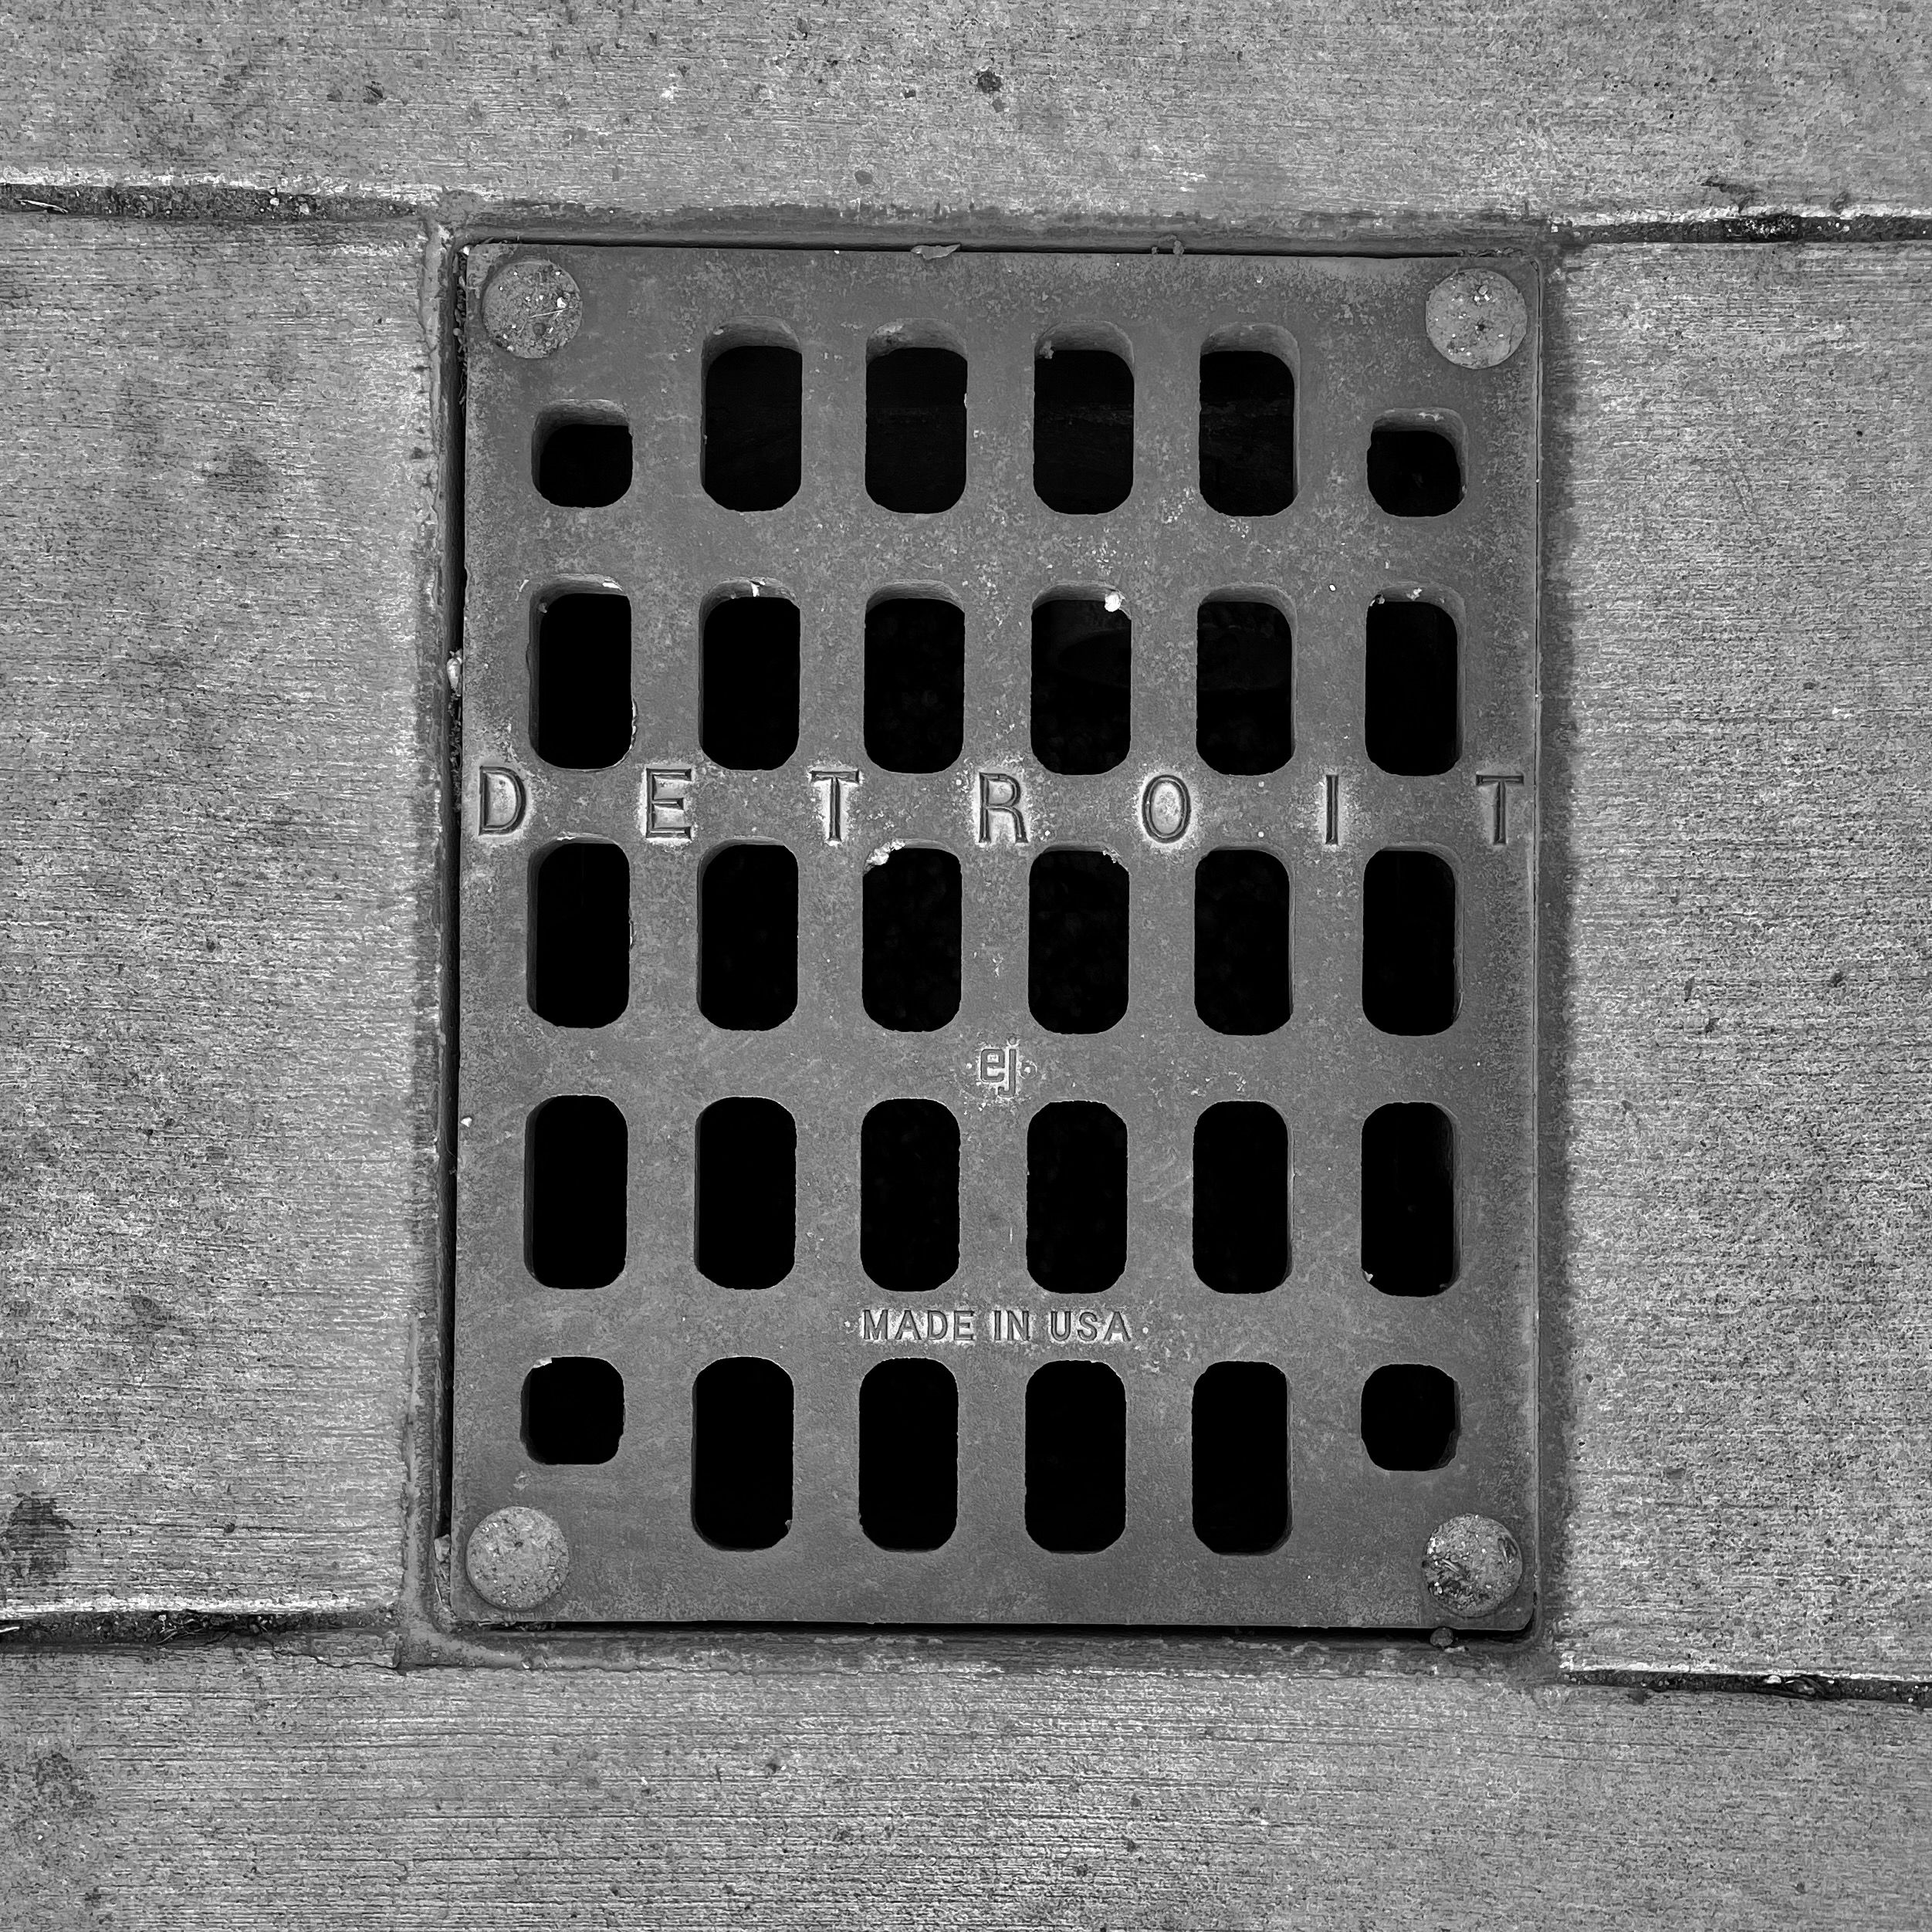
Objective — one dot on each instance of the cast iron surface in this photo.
(1361, 353)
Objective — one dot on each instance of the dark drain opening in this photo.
(746, 1192)
(1244, 686)
(741, 1453)
(1241, 1198)
(1083, 425)
(1408, 1199)
(1076, 1197)
(1413, 472)
(580, 717)
(576, 1149)
(915, 683)
(1082, 654)
(1409, 720)
(572, 1410)
(1076, 1457)
(908, 1221)
(1408, 1417)
(580, 956)
(753, 399)
(916, 428)
(748, 937)
(1241, 1458)
(748, 718)
(908, 1455)
(909, 976)
(580, 457)
(1247, 431)
(1408, 943)
(1076, 941)
(1241, 983)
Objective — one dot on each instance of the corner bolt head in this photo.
(516, 1558)
(531, 307)
(1477, 318)
(1473, 1565)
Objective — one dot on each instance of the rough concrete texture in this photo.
(1738, 1039)
(217, 932)
(884, 1788)
(1283, 116)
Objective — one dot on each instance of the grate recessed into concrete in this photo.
(996, 1061)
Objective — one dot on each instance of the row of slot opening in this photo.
(751, 455)
(909, 1441)
(582, 715)
(911, 930)
(576, 1179)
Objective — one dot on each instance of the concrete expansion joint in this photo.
(1734, 216)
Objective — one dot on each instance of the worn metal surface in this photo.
(217, 1214)
(1281, 115)
(1030, 1786)
(1353, 1555)
(1738, 1089)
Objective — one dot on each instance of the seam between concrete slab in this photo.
(221, 201)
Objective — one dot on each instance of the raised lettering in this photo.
(1117, 1329)
(1165, 809)
(872, 1324)
(936, 1324)
(667, 803)
(908, 1327)
(501, 808)
(963, 1322)
(999, 1070)
(1060, 1325)
(1502, 781)
(1001, 796)
(1088, 1325)
(835, 778)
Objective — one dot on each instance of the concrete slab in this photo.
(851, 1788)
(1283, 116)
(219, 931)
(1737, 1040)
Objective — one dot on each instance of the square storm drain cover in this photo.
(996, 880)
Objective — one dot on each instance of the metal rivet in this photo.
(516, 1558)
(1477, 318)
(1473, 1565)
(532, 308)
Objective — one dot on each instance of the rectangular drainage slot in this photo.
(1241, 1197)
(746, 1185)
(581, 682)
(579, 952)
(1076, 1457)
(1241, 1457)
(908, 1455)
(909, 1196)
(748, 937)
(915, 683)
(741, 1453)
(749, 682)
(910, 979)
(996, 1045)
(574, 1208)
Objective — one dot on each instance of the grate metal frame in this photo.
(1361, 355)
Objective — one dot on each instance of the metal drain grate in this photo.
(996, 1033)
